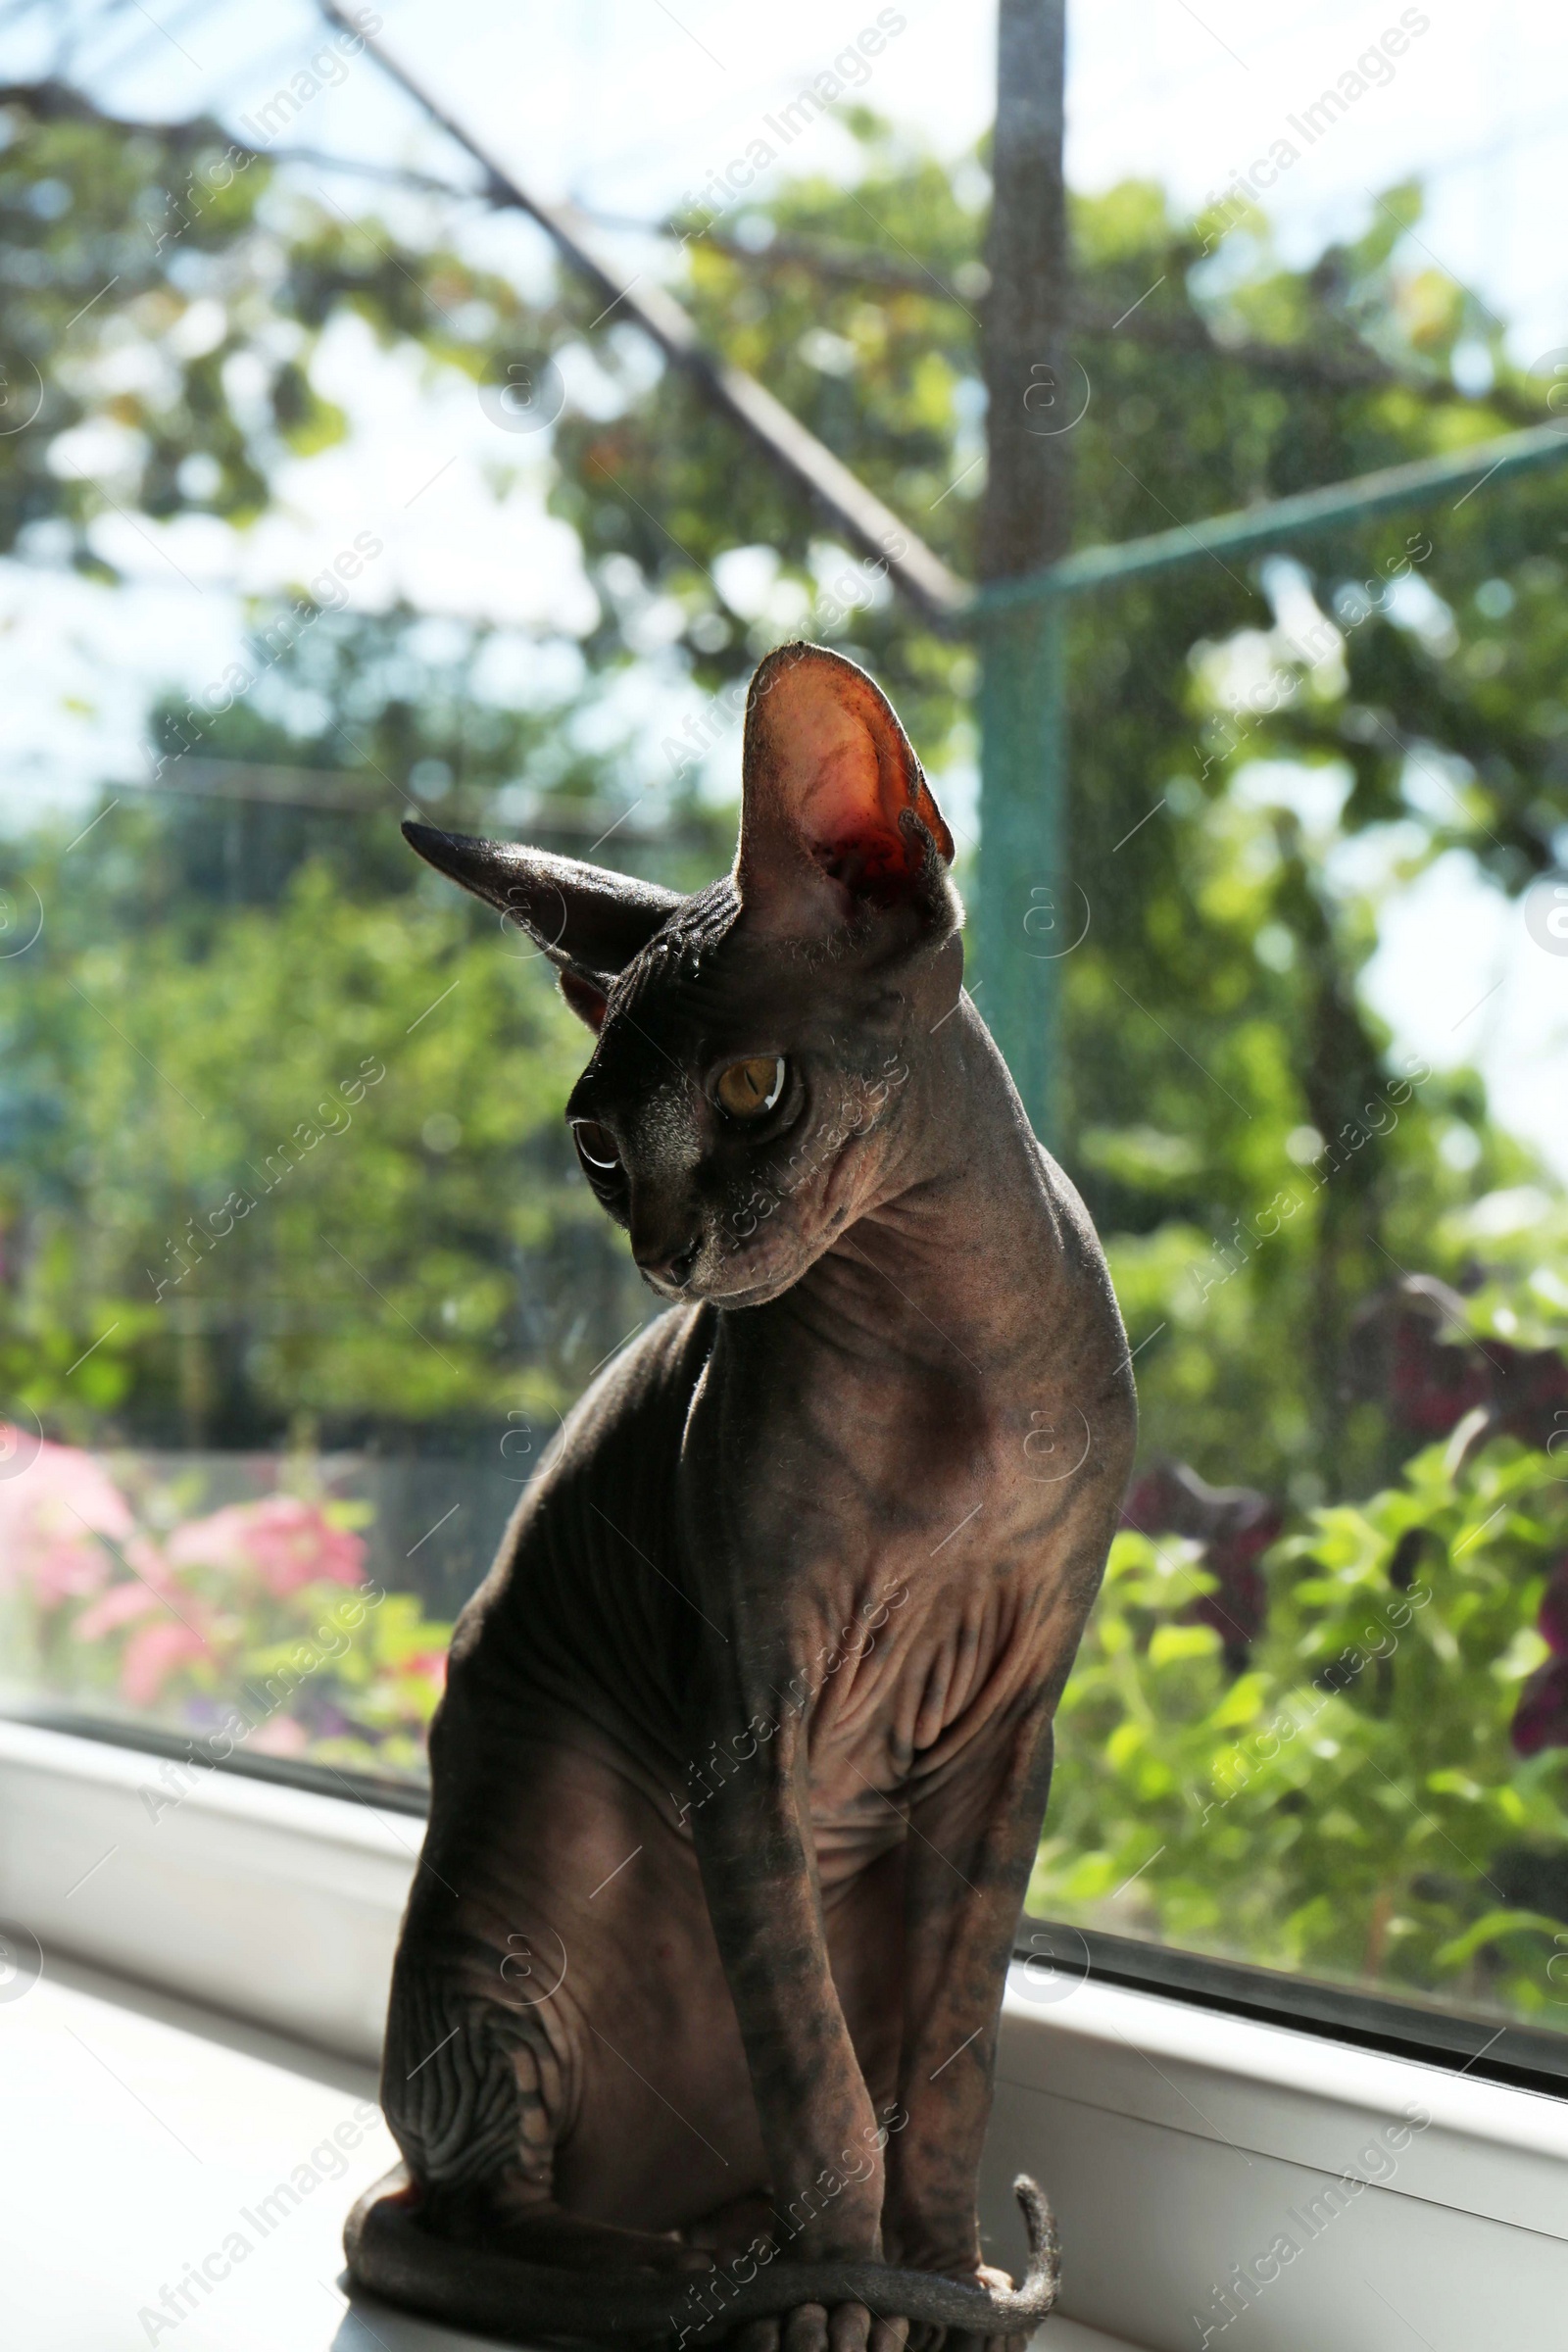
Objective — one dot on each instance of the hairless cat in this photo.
(743, 1752)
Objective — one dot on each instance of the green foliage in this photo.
(886, 375)
(1351, 1805)
(158, 218)
(1213, 1012)
(165, 296)
(301, 1166)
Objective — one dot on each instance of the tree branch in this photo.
(787, 444)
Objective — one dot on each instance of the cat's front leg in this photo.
(818, 2127)
(966, 1869)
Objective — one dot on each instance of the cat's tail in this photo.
(392, 2255)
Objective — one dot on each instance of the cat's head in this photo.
(754, 1079)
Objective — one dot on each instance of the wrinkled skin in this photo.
(747, 1740)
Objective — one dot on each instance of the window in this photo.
(1318, 1720)
(298, 1269)
(298, 1229)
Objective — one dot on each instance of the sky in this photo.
(626, 104)
(627, 107)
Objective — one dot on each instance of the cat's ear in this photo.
(836, 813)
(588, 922)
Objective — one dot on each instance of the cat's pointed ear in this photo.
(588, 922)
(836, 813)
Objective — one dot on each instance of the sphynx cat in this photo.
(743, 1752)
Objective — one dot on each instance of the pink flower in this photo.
(52, 1512)
(281, 1735)
(430, 1666)
(112, 1609)
(284, 1542)
(152, 1655)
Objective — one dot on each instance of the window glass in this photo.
(327, 498)
(1320, 1716)
(301, 1269)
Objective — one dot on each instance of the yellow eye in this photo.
(748, 1089)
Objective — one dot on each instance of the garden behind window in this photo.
(328, 500)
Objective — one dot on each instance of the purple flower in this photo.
(1553, 1620)
(1540, 1719)
(1236, 1525)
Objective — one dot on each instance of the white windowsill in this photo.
(1177, 2142)
(146, 2140)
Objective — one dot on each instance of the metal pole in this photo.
(1024, 918)
(1027, 906)
(1282, 522)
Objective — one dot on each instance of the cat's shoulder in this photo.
(650, 1374)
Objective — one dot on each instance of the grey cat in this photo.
(745, 1750)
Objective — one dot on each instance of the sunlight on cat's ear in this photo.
(836, 811)
(588, 1002)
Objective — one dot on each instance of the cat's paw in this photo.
(811, 2327)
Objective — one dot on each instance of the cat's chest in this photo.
(895, 1548)
(911, 1673)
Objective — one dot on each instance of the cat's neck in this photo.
(967, 1232)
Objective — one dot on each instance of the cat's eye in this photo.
(750, 1089)
(596, 1147)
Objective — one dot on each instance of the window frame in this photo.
(1463, 2041)
(1174, 2131)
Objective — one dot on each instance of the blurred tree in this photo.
(1219, 1046)
(182, 1170)
(304, 1168)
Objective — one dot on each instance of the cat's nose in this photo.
(676, 1270)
